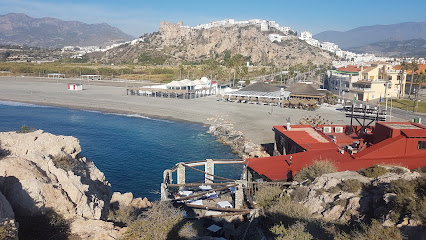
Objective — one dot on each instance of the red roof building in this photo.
(393, 143)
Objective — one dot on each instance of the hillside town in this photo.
(233, 130)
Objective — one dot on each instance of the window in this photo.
(421, 145)
(390, 78)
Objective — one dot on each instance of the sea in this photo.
(131, 150)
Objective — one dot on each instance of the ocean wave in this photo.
(20, 104)
(132, 115)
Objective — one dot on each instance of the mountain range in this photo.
(379, 39)
(20, 29)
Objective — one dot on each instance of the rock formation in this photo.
(328, 196)
(175, 43)
(239, 144)
(41, 173)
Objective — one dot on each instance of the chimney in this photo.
(288, 126)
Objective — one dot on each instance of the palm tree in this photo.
(414, 66)
(421, 78)
(404, 67)
(181, 68)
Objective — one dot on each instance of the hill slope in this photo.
(20, 29)
(175, 43)
(406, 48)
(371, 34)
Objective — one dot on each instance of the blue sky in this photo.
(137, 17)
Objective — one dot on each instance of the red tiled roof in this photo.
(350, 68)
(422, 67)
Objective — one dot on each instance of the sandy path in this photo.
(255, 121)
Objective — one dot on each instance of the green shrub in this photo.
(317, 169)
(334, 189)
(159, 222)
(296, 231)
(124, 215)
(265, 195)
(6, 231)
(284, 207)
(410, 198)
(374, 171)
(25, 129)
(350, 185)
(64, 161)
(377, 231)
(44, 225)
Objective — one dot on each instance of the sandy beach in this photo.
(255, 121)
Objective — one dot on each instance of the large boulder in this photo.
(44, 171)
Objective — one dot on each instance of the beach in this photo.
(254, 121)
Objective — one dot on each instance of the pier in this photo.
(217, 196)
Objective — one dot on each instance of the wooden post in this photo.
(181, 174)
(209, 168)
(167, 176)
(239, 195)
(164, 192)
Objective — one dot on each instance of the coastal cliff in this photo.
(50, 190)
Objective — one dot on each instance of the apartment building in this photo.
(374, 81)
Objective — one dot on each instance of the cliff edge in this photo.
(51, 188)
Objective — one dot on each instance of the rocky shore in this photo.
(48, 190)
(241, 145)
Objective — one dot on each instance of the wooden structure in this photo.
(170, 93)
(55, 75)
(192, 195)
(91, 77)
(306, 91)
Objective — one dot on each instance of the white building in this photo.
(275, 37)
(305, 35)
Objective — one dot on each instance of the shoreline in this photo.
(254, 121)
(106, 111)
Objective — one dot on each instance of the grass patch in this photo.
(317, 169)
(159, 222)
(406, 104)
(296, 231)
(284, 208)
(351, 185)
(266, 195)
(374, 171)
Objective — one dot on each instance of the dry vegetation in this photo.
(285, 218)
(374, 171)
(317, 169)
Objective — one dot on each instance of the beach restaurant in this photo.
(183, 89)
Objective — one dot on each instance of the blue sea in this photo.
(131, 150)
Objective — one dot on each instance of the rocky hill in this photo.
(365, 35)
(20, 29)
(175, 43)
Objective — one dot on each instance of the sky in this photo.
(137, 17)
